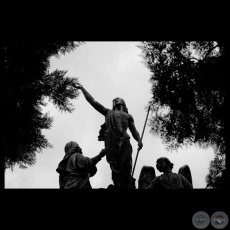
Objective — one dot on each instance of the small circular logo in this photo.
(219, 220)
(201, 220)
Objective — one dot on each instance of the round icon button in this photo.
(201, 220)
(219, 220)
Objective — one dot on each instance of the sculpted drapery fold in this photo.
(120, 154)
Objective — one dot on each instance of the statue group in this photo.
(75, 169)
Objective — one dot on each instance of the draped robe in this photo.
(75, 171)
(120, 154)
(170, 181)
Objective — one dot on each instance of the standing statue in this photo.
(169, 180)
(113, 132)
(75, 169)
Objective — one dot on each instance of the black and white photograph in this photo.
(115, 115)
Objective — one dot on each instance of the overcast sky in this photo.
(106, 70)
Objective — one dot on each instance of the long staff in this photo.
(141, 140)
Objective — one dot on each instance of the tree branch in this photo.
(194, 58)
(210, 51)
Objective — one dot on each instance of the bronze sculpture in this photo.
(75, 169)
(113, 132)
(168, 180)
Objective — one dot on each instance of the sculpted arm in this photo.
(100, 108)
(89, 164)
(134, 132)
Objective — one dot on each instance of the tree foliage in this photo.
(26, 84)
(189, 85)
(216, 178)
(188, 92)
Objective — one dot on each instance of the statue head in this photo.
(72, 144)
(119, 101)
(163, 163)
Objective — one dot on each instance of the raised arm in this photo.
(100, 108)
(134, 132)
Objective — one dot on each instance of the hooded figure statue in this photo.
(75, 169)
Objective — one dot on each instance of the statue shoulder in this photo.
(81, 158)
(130, 117)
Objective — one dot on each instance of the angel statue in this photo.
(167, 180)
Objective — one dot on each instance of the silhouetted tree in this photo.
(26, 85)
(188, 92)
(216, 178)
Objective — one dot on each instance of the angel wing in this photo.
(146, 176)
(186, 172)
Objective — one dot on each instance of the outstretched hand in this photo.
(104, 152)
(78, 86)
